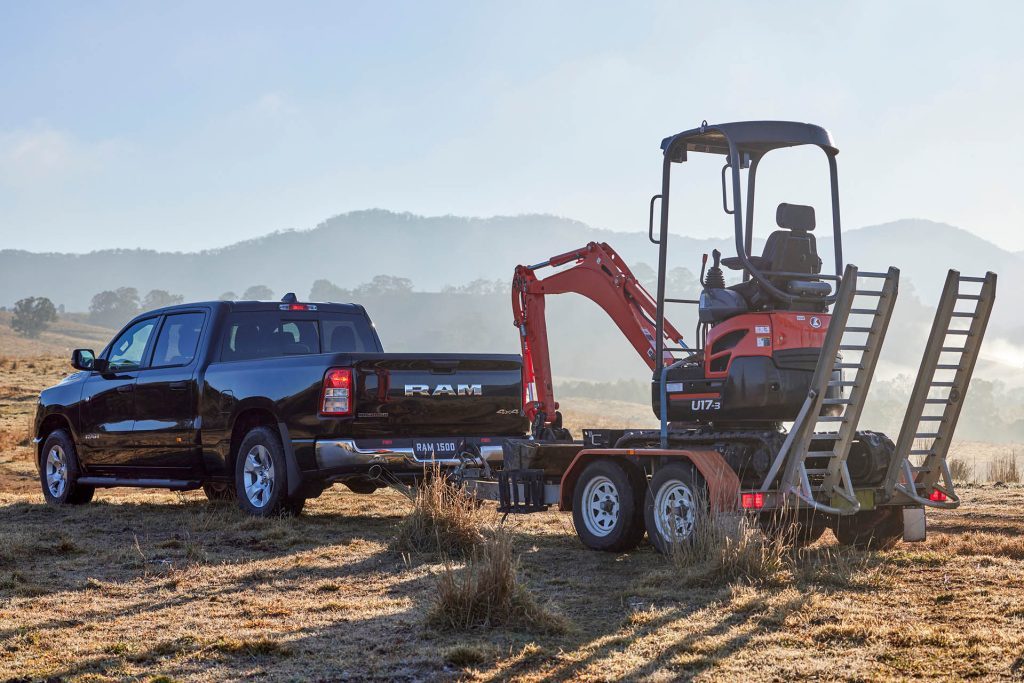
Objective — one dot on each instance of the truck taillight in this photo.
(753, 501)
(337, 398)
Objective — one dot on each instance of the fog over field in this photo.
(448, 289)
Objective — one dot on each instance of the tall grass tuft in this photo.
(725, 548)
(1003, 468)
(961, 470)
(489, 593)
(444, 519)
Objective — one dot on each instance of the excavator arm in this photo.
(600, 275)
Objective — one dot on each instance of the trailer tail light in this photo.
(753, 501)
(337, 397)
(938, 496)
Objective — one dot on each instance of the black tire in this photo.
(678, 485)
(59, 476)
(877, 529)
(219, 491)
(799, 529)
(618, 525)
(266, 474)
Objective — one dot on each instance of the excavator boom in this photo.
(600, 275)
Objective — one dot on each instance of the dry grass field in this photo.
(150, 585)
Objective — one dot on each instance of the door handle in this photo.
(178, 386)
(125, 388)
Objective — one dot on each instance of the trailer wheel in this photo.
(676, 499)
(606, 509)
(799, 530)
(877, 529)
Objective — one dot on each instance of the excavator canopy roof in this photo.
(757, 137)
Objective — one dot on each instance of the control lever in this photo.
(715, 278)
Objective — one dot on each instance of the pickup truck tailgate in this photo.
(439, 394)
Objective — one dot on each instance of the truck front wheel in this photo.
(58, 471)
(606, 508)
(261, 476)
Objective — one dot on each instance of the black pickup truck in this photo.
(269, 403)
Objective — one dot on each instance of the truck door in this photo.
(108, 400)
(165, 399)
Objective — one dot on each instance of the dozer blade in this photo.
(827, 487)
(919, 472)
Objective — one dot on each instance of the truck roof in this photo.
(265, 306)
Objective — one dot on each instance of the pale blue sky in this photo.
(191, 125)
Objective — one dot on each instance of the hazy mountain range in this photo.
(448, 250)
(434, 252)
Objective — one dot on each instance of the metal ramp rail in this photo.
(813, 486)
(917, 468)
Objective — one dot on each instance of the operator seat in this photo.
(791, 250)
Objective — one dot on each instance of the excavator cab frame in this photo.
(744, 144)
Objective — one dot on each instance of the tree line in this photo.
(114, 307)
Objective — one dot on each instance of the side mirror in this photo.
(85, 359)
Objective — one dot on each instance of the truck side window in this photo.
(178, 340)
(258, 334)
(127, 351)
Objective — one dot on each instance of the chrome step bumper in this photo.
(347, 454)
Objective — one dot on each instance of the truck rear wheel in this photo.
(606, 509)
(676, 498)
(877, 529)
(261, 476)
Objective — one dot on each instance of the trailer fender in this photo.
(723, 484)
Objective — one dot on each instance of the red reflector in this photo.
(337, 395)
(753, 501)
(387, 442)
(938, 496)
(485, 440)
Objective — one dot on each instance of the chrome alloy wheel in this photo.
(258, 476)
(56, 471)
(601, 506)
(674, 511)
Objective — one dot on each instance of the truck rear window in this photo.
(267, 334)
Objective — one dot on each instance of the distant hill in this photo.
(448, 250)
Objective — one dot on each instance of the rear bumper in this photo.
(351, 456)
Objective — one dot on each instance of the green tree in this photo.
(158, 298)
(32, 315)
(113, 308)
(258, 293)
(325, 290)
(385, 284)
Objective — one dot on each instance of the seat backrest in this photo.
(343, 339)
(792, 252)
(793, 249)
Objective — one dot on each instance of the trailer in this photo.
(762, 414)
